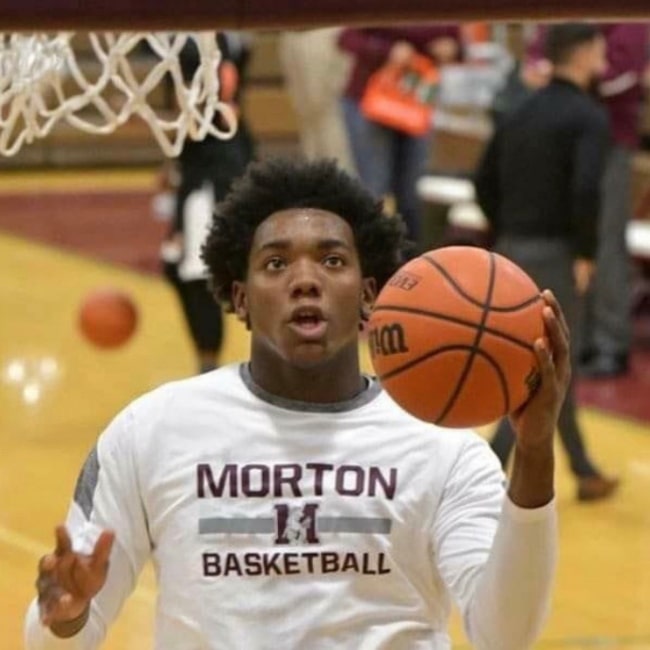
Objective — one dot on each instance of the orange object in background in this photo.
(402, 98)
(108, 318)
(228, 81)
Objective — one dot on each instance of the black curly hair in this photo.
(279, 184)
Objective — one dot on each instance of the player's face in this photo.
(304, 292)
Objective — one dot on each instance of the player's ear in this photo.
(240, 302)
(368, 295)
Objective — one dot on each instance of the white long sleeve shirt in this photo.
(279, 524)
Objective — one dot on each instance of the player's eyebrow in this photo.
(279, 244)
(285, 244)
(325, 244)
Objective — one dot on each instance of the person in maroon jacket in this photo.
(607, 327)
(389, 161)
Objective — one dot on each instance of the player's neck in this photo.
(337, 380)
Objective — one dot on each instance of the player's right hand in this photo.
(67, 580)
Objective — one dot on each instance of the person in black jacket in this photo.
(538, 185)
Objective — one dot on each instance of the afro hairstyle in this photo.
(278, 184)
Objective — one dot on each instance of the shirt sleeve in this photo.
(106, 497)
(487, 182)
(497, 560)
(590, 152)
(626, 57)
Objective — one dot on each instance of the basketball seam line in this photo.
(432, 353)
(459, 321)
(448, 348)
(471, 299)
(477, 340)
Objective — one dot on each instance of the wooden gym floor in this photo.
(57, 393)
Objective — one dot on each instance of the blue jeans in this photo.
(388, 162)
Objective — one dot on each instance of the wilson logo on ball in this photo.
(406, 281)
(387, 340)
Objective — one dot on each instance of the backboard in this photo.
(149, 15)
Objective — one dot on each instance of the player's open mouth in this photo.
(308, 323)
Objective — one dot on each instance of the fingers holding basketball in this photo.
(535, 421)
(555, 358)
(557, 326)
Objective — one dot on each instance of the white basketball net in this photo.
(42, 83)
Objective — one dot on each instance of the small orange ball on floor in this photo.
(108, 318)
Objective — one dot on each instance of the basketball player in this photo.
(538, 185)
(288, 502)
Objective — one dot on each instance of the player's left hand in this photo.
(536, 420)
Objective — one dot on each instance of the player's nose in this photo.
(305, 279)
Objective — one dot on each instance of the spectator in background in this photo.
(538, 185)
(315, 71)
(514, 92)
(607, 324)
(206, 170)
(389, 161)
(605, 334)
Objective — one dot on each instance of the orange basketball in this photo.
(451, 336)
(108, 318)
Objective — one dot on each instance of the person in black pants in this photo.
(538, 185)
(206, 171)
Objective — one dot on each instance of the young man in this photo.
(288, 502)
(605, 335)
(538, 185)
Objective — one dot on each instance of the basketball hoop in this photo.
(42, 83)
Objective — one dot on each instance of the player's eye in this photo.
(274, 264)
(334, 261)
